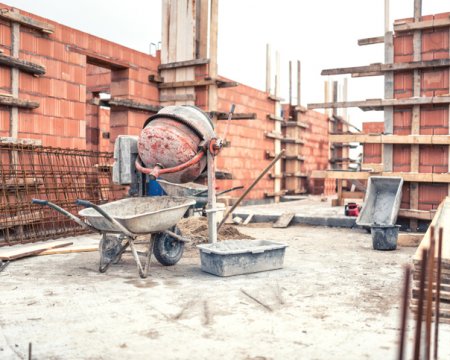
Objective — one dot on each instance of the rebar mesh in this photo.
(58, 175)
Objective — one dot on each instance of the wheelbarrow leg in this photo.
(149, 255)
(104, 266)
(136, 258)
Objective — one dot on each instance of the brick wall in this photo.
(433, 118)
(316, 151)
(246, 157)
(372, 152)
(79, 66)
(63, 116)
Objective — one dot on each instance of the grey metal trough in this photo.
(382, 201)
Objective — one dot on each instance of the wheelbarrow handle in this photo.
(103, 213)
(39, 202)
(64, 212)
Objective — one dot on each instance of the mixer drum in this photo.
(172, 137)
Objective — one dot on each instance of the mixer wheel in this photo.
(168, 250)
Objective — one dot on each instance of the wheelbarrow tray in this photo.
(140, 215)
(382, 201)
(189, 189)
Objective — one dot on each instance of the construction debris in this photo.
(196, 229)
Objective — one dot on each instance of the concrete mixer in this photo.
(177, 145)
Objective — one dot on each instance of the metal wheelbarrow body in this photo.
(130, 218)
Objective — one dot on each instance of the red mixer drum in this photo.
(173, 137)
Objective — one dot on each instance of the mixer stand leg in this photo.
(211, 207)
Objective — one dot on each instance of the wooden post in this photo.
(268, 70)
(213, 30)
(277, 167)
(290, 83)
(387, 20)
(334, 97)
(212, 215)
(415, 123)
(202, 13)
(299, 78)
(449, 105)
(14, 112)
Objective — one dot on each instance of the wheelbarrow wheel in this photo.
(168, 250)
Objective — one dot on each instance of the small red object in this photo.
(352, 209)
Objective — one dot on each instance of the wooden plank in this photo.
(275, 194)
(188, 83)
(7, 100)
(363, 175)
(420, 25)
(177, 97)
(409, 239)
(292, 141)
(226, 84)
(380, 69)
(275, 98)
(371, 40)
(273, 135)
(20, 251)
(275, 117)
(236, 116)
(78, 248)
(299, 124)
(372, 167)
(347, 175)
(27, 21)
(416, 214)
(131, 104)
(391, 139)
(300, 108)
(284, 220)
(440, 220)
(379, 104)
(96, 59)
(24, 65)
(184, 63)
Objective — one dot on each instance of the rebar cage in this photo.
(58, 175)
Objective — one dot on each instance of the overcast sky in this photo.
(321, 33)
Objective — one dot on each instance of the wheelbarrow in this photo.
(121, 222)
(192, 190)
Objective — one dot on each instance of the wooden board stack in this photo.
(439, 221)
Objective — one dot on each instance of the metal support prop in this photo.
(212, 216)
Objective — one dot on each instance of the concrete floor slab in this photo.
(334, 298)
(311, 210)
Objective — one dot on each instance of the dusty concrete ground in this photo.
(334, 298)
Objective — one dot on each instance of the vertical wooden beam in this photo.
(448, 123)
(417, 10)
(334, 99)
(387, 19)
(213, 31)
(14, 112)
(290, 82)
(277, 166)
(299, 82)
(415, 123)
(201, 30)
(268, 69)
(387, 154)
(345, 150)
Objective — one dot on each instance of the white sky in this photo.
(320, 33)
